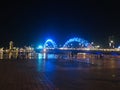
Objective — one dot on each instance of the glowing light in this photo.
(87, 49)
(39, 56)
(40, 47)
(119, 47)
(79, 40)
(84, 55)
(50, 41)
(44, 55)
(44, 50)
(111, 41)
(98, 46)
(92, 43)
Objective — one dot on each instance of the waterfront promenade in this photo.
(100, 74)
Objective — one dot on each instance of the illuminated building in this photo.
(1, 53)
(11, 45)
(111, 42)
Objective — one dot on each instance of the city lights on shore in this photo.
(72, 44)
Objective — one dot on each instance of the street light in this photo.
(98, 46)
(111, 41)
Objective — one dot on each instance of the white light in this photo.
(98, 46)
(44, 50)
(87, 49)
(111, 41)
(92, 42)
(119, 47)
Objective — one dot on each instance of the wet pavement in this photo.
(88, 74)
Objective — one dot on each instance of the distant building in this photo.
(111, 42)
(11, 45)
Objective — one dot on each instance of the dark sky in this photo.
(32, 22)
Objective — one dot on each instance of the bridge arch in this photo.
(52, 43)
(81, 41)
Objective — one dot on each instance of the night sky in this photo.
(33, 22)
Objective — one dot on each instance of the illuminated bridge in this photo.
(73, 42)
(76, 45)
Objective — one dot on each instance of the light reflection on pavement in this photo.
(78, 74)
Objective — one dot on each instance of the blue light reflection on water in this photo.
(45, 62)
(39, 56)
(46, 56)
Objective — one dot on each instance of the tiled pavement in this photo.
(34, 75)
(20, 75)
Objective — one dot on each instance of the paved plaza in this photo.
(60, 75)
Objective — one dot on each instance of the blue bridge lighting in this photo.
(51, 44)
(40, 47)
(48, 42)
(81, 42)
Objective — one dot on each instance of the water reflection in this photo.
(51, 62)
(45, 62)
(39, 56)
(46, 56)
(61, 71)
